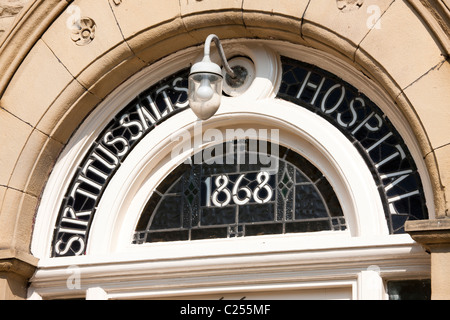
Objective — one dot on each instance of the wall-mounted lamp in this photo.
(206, 80)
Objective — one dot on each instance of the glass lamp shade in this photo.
(205, 92)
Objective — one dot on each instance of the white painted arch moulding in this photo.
(134, 276)
(265, 79)
(151, 161)
(36, 18)
(263, 87)
(35, 21)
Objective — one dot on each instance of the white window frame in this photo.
(360, 258)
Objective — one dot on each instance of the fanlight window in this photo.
(235, 193)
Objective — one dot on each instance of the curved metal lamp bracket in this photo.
(209, 39)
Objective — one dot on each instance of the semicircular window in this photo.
(237, 189)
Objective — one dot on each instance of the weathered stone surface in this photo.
(349, 5)
(44, 77)
(8, 10)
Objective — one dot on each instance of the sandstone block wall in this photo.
(8, 10)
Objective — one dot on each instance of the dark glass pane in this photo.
(214, 169)
(215, 216)
(208, 233)
(262, 229)
(308, 226)
(175, 175)
(168, 215)
(300, 177)
(176, 188)
(330, 198)
(256, 213)
(409, 290)
(304, 165)
(308, 203)
(338, 224)
(168, 236)
(398, 222)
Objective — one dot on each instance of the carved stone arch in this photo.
(49, 84)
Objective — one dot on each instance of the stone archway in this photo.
(50, 83)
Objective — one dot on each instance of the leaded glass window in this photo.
(235, 194)
(370, 131)
(419, 289)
